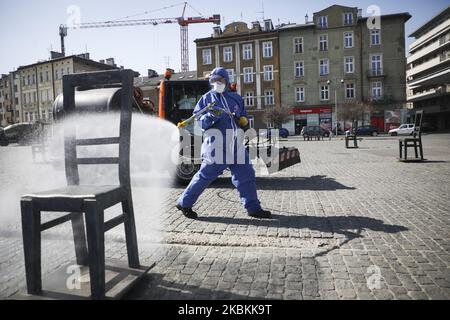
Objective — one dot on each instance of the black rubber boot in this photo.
(187, 212)
(262, 214)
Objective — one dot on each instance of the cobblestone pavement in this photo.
(347, 224)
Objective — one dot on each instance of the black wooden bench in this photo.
(80, 201)
(412, 142)
(352, 137)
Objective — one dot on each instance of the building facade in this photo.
(338, 61)
(6, 110)
(428, 71)
(251, 56)
(37, 85)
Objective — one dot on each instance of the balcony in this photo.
(376, 73)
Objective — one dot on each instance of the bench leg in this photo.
(420, 149)
(31, 225)
(400, 146)
(415, 150)
(96, 243)
(79, 238)
(406, 150)
(130, 233)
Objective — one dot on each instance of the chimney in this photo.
(256, 26)
(102, 61)
(306, 19)
(217, 31)
(268, 26)
(152, 73)
(110, 62)
(359, 13)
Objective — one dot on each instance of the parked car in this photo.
(407, 129)
(366, 131)
(312, 131)
(21, 133)
(283, 132)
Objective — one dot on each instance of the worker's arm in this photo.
(208, 119)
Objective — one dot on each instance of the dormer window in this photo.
(322, 21)
(348, 18)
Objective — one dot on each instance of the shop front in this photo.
(301, 117)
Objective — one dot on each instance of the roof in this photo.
(429, 23)
(405, 15)
(75, 58)
(146, 81)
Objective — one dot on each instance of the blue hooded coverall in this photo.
(243, 175)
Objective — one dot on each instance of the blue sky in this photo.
(28, 29)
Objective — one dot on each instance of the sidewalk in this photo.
(347, 224)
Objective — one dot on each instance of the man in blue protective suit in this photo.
(224, 119)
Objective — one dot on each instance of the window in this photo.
(348, 39)
(299, 69)
(47, 79)
(323, 42)
(231, 75)
(375, 37)
(206, 54)
(227, 54)
(43, 115)
(323, 67)
(34, 97)
(24, 98)
(322, 21)
(49, 115)
(248, 55)
(248, 75)
(324, 92)
(349, 65)
(269, 98)
(249, 99)
(300, 94)
(28, 80)
(348, 18)
(68, 70)
(377, 90)
(298, 45)
(268, 73)
(56, 74)
(350, 90)
(34, 79)
(42, 96)
(267, 49)
(41, 77)
(251, 121)
(376, 65)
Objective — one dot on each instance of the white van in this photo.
(406, 129)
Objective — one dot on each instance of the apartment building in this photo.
(338, 60)
(37, 85)
(428, 71)
(6, 111)
(251, 56)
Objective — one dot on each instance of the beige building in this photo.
(335, 59)
(251, 56)
(41, 83)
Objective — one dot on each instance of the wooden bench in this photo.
(412, 142)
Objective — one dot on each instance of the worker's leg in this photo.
(201, 180)
(245, 181)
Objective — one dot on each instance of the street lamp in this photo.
(335, 101)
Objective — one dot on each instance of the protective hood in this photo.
(220, 72)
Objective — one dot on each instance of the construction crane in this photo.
(183, 21)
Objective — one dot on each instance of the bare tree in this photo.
(354, 110)
(276, 116)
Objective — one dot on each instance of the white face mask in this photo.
(218, 87)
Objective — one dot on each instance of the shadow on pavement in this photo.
(317, 183)
(154, 287)
(334, 224)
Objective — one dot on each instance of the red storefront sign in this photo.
(311, 110)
